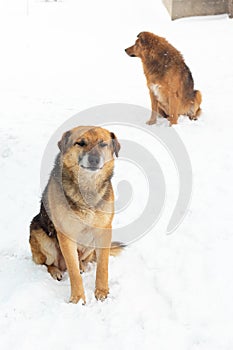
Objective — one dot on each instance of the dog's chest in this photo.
(156, 90)
(101, 217)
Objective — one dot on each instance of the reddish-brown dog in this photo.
(169, 80)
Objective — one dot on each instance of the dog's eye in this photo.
(103, 144)
(80, 143)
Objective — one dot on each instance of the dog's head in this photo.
(89, 148)
(141, 44)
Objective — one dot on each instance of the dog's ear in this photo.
(142, 37)
(115, 143)
(64, 143)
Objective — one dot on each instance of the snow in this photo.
(57, 59)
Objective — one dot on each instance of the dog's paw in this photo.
(151, 122)
(57, 276)
(76, 298)
(193, 117)
(172, 121)
(101, 294)
(83, 266)
(55, 273)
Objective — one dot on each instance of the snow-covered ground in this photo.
(167, 292)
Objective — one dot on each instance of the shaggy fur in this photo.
(75, 220)
(169, 80)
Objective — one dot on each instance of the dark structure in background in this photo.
(187, 8)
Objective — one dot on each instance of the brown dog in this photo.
(169, 80)
(74, 225)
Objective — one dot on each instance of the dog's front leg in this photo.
(69, 251)
(101, 286)
(154, 109)
(173, 108)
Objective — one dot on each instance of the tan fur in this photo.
(77, 210)
(169, 80)
(46, 251)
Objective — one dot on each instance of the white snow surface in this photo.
(166, 292)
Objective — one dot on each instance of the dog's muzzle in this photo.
(91, 162)
(129, 53)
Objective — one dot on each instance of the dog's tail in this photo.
(198, 97)
(116, 248)
(194, 107)
(198, 100)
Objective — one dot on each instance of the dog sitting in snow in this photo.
(168, 78)
(74, 225)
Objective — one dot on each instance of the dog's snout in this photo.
(130, 51)
(93, 159)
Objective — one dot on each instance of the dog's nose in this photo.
(93, 160)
